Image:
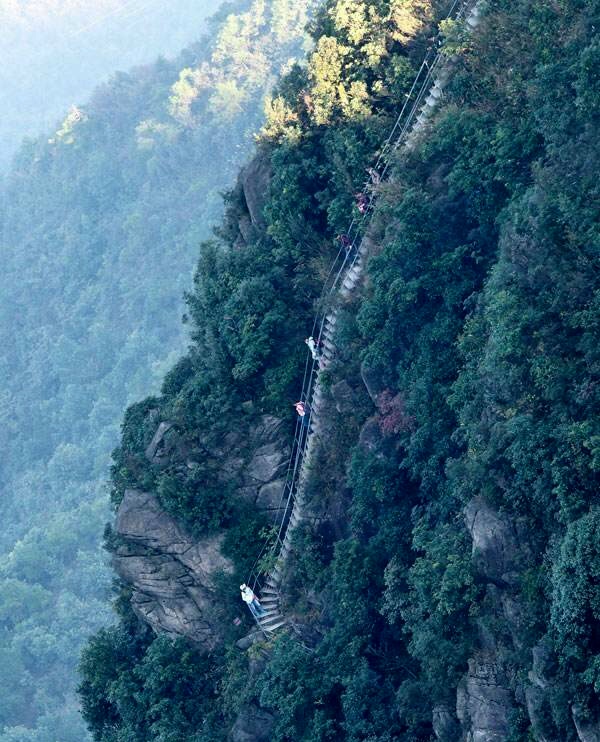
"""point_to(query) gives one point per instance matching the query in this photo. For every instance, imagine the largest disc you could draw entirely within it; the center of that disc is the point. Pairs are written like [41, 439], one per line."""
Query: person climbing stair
[252, 601]
[362, 203]
[344, 242]
[313, 346]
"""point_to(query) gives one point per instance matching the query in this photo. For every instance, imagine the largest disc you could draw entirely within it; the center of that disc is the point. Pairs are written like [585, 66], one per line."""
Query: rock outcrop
[172, 575]
[495, 544]
[485, 696]
[484, 701]
[445, 724]
[537, 695]
[253, 724]
[255, 179]
[588, 728]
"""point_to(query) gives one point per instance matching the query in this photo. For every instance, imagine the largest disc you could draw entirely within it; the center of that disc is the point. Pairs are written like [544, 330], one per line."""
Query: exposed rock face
[445, 724]
[255, 178]
[373, 382]
[485, 696]
[159, 448]
[253, 724]
[495, 545]
[171, 574]
[588, 729]
[260, 459]
[484, 701]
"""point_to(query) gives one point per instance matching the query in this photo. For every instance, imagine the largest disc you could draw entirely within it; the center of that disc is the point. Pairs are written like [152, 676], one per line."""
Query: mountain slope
[445, 586]
[100, 227]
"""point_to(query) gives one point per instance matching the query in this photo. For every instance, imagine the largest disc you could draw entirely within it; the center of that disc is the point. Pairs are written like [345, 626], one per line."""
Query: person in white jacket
[252, 601]
[313, 347]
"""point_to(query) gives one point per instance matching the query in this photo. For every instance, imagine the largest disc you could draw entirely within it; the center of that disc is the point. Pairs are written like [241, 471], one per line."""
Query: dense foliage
[56, 51]
[480, 319]
[99, 232]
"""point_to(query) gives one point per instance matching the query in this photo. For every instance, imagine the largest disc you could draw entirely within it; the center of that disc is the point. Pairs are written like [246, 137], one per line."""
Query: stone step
[274, 627]
[268, 621]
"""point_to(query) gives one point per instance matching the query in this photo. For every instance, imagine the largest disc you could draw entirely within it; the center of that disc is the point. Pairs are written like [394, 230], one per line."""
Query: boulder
[484, 702]
[255, 179]
[253, 724]
[250, 639]
[587, 725]
[445, 724]
[495, 546]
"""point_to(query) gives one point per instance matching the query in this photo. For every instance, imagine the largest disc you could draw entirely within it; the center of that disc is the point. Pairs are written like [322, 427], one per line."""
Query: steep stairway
[426, 95]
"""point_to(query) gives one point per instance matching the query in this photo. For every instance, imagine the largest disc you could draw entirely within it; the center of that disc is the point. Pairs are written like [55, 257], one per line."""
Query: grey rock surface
[484, 701]
[255, 178]
[252, 725]
[495, 546]
[445, 724]
[269, 498]
[163, 443]
[172, 575]
[588, 729]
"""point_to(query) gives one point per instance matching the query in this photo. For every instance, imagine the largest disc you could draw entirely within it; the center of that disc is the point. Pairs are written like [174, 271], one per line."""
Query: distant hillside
[55, 52]
[101, 220]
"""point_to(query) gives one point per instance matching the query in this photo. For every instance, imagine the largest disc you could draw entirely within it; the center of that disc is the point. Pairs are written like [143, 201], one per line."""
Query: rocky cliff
[172, 574]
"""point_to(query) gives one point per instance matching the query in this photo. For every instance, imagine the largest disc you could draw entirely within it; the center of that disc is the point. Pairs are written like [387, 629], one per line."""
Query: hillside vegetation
[479, 318]
[99, 233]
[55, 52]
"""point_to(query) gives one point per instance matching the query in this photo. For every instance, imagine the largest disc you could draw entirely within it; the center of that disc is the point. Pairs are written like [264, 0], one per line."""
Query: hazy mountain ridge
[101, 219]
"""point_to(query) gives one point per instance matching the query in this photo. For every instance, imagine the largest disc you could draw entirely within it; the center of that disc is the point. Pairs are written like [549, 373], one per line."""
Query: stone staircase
[273, 618]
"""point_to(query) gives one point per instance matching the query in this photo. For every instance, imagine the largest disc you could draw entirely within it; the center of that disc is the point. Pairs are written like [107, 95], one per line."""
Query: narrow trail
[344, 276]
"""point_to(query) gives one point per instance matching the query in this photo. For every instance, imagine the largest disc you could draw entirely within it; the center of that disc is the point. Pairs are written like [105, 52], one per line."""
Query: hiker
[375, 177]
[252, 601]
[345, 242]
[302, 410]
[313, 346]
[362, 203]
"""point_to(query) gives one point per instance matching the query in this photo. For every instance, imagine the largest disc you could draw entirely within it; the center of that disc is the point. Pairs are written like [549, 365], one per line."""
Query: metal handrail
[431, 63]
